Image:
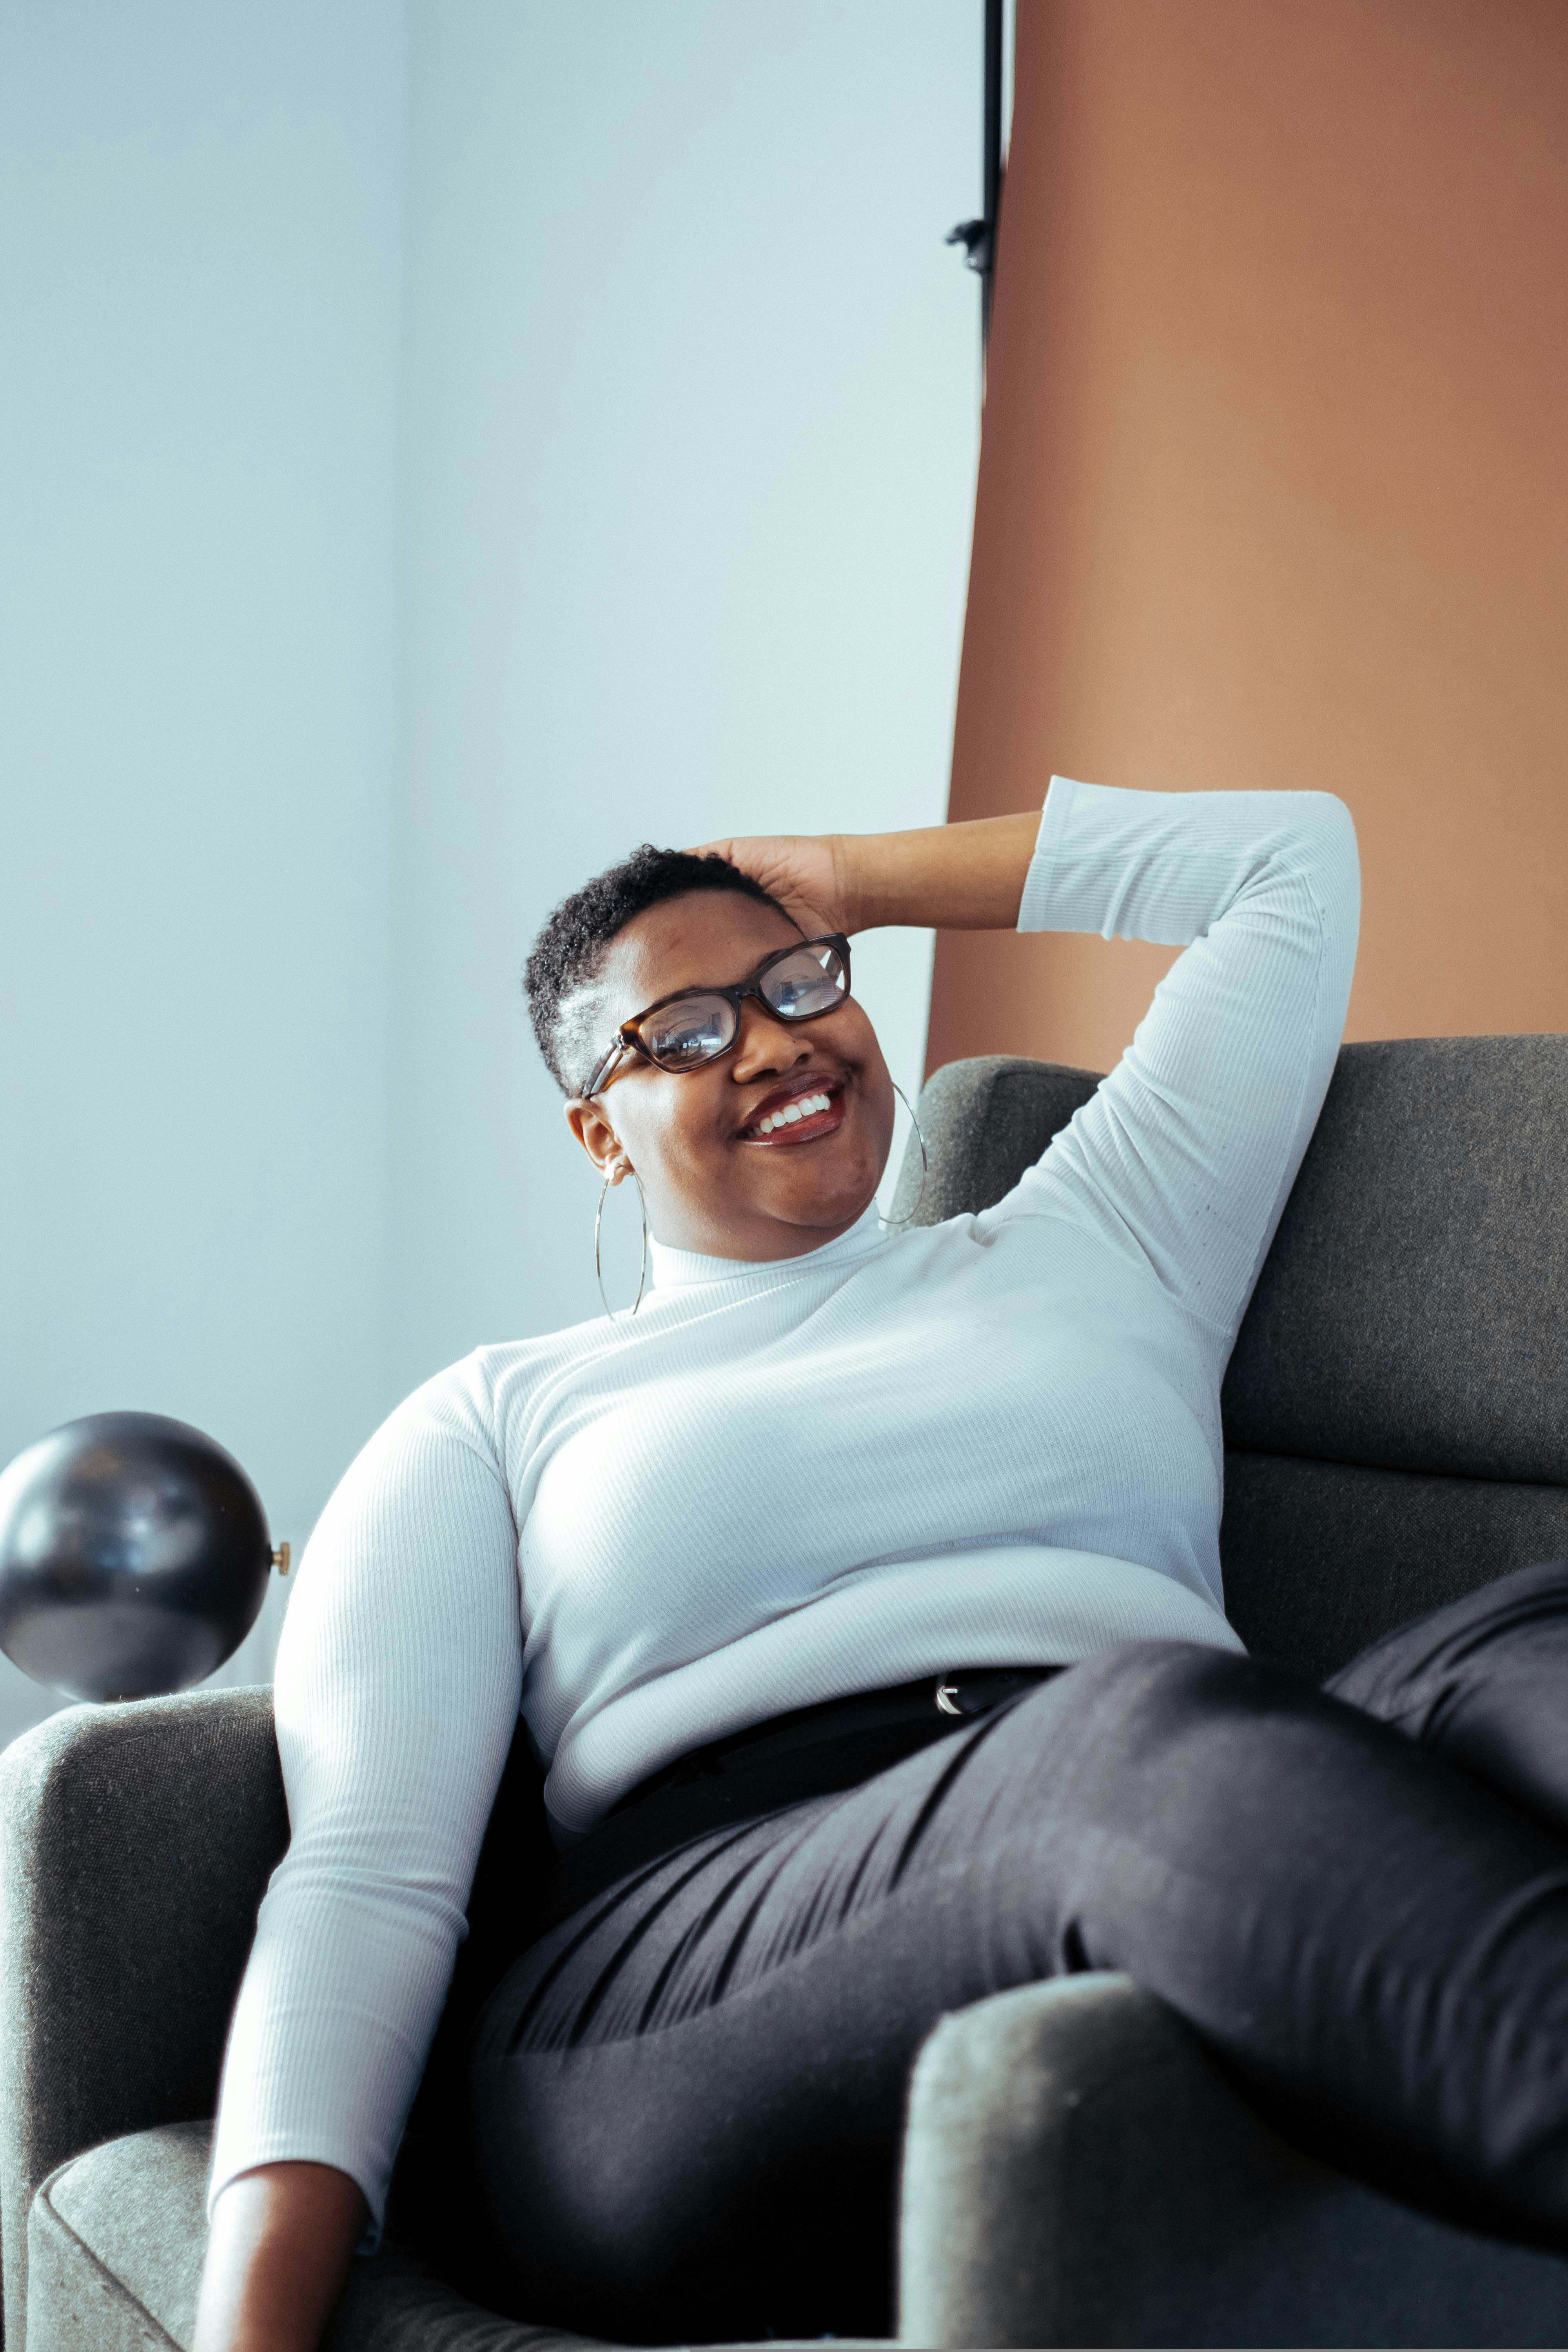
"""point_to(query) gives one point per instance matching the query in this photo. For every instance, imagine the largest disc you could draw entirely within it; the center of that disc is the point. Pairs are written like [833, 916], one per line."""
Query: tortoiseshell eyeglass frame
[628, 1040]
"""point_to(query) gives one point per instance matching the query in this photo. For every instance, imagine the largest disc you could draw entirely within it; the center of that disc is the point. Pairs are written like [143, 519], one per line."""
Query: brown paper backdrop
[1274, 479]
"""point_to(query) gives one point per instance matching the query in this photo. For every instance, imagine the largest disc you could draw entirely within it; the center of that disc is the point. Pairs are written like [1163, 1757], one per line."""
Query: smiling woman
[861, 1600]
[717, 1142]
[742, 949]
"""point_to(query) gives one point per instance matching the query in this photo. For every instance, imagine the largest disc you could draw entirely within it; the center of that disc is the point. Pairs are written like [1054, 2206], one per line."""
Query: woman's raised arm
[1186, 1153]
[957, 877]
[1190, 1147]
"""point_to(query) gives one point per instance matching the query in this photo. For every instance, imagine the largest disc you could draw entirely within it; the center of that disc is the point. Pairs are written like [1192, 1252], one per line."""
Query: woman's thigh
[689, 2098]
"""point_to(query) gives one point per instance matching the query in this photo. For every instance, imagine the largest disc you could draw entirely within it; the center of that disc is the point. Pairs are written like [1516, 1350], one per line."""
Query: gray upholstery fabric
[135, 1844]
[1078, 2172]
[115, 2241]
[984, 1121]
[1414, 1311]
[117, 2237]
[1322, 1557]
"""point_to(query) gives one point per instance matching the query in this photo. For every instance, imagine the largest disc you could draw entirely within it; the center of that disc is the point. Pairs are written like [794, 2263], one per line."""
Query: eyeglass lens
[810, 980]
[696, 1029]
[680, 1036]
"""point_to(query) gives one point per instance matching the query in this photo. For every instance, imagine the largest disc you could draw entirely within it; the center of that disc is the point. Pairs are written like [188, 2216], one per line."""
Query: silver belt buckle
[947, 1695]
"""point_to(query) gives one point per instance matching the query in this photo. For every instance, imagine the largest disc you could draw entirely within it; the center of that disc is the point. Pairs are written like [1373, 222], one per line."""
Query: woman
[861, 1592]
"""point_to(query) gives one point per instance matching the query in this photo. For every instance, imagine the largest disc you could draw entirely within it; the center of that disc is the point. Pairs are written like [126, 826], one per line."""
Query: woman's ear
[598, 1138]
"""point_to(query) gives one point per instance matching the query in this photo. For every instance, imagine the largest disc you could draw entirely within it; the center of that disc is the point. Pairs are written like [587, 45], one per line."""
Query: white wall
[689, 425]
[671, 419]
[200, 242]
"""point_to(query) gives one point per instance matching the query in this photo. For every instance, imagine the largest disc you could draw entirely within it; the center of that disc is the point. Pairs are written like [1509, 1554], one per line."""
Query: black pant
[687, 2097]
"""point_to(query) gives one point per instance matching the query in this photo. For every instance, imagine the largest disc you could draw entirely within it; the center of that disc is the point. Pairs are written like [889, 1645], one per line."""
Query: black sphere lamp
[134, 1556]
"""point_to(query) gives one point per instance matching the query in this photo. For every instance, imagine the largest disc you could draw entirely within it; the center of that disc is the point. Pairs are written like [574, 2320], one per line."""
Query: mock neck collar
[675, 1269]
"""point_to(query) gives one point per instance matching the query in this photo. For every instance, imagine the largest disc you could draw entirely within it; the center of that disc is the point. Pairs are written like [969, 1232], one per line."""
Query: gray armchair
[1076, 2169]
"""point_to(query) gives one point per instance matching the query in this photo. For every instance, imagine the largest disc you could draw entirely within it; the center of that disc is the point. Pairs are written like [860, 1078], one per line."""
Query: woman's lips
[815, 1110]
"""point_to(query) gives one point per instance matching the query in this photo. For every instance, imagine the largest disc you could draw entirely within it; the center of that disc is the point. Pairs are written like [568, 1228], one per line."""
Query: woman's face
[711, 1181]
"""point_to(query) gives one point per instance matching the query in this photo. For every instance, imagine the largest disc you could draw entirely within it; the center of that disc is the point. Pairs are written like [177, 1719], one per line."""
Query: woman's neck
[673, 1268]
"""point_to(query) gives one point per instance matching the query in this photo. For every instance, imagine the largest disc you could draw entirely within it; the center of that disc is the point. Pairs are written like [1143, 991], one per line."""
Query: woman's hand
[962, 878]
[803, 871]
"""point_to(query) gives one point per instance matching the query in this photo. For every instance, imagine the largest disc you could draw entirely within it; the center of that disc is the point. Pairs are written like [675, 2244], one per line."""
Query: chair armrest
[136, 1841]
[1078, 2171]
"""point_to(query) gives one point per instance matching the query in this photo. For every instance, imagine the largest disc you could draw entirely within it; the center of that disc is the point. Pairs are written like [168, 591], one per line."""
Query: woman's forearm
[282, 2240]
[962, 878]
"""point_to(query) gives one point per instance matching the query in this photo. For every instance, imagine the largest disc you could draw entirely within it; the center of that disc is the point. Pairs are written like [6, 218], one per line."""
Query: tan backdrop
[1274, 480]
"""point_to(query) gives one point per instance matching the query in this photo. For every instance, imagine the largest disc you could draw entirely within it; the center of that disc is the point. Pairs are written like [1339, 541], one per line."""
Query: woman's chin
[830, 1202]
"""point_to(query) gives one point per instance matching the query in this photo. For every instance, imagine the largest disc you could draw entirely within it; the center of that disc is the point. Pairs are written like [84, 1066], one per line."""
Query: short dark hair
[570, 951]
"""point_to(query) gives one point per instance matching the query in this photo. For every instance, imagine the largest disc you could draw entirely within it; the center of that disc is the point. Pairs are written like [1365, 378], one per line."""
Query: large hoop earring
[598, 1222]
[925, 1163]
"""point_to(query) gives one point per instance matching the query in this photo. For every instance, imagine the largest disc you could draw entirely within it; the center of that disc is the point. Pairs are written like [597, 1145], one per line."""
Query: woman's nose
[765, 1042]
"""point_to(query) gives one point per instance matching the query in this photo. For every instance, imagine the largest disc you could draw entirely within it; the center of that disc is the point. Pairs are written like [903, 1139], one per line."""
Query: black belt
[811, 1751]
[955, 1697]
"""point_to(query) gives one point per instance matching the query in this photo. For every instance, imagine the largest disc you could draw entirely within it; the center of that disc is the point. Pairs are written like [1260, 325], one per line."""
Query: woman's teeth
[802, 1107]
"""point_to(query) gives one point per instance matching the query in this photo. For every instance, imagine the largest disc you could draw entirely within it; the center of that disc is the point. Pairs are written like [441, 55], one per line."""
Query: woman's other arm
[281, 2242]
[396, 1699]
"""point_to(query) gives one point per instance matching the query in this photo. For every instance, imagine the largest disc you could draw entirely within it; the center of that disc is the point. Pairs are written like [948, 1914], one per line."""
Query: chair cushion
[984, 1121]
[1413, 1312]
[1322, 1558]
[116, 2240]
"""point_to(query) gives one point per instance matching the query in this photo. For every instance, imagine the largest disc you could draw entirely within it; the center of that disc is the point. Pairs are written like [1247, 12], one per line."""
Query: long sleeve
[1188, 1150]
[397, 1686]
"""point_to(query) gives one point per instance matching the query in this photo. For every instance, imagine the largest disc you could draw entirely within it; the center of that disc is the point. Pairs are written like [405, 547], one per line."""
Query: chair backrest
[1396, 1407]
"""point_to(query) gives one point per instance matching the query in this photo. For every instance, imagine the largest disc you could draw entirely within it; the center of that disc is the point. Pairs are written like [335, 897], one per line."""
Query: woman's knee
[1413, 1676]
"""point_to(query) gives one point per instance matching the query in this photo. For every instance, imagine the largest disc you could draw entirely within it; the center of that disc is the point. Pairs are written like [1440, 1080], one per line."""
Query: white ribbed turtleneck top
[993, 1441]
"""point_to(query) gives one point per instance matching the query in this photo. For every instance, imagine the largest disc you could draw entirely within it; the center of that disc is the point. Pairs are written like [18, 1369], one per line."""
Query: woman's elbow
[1323, 846]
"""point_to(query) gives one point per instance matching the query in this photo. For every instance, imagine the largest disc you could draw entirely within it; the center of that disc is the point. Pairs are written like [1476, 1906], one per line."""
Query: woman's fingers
[799, 870]
[967, 876]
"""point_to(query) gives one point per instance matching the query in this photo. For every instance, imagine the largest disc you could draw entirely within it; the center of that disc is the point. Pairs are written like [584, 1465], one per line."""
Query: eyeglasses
[696, 1026]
